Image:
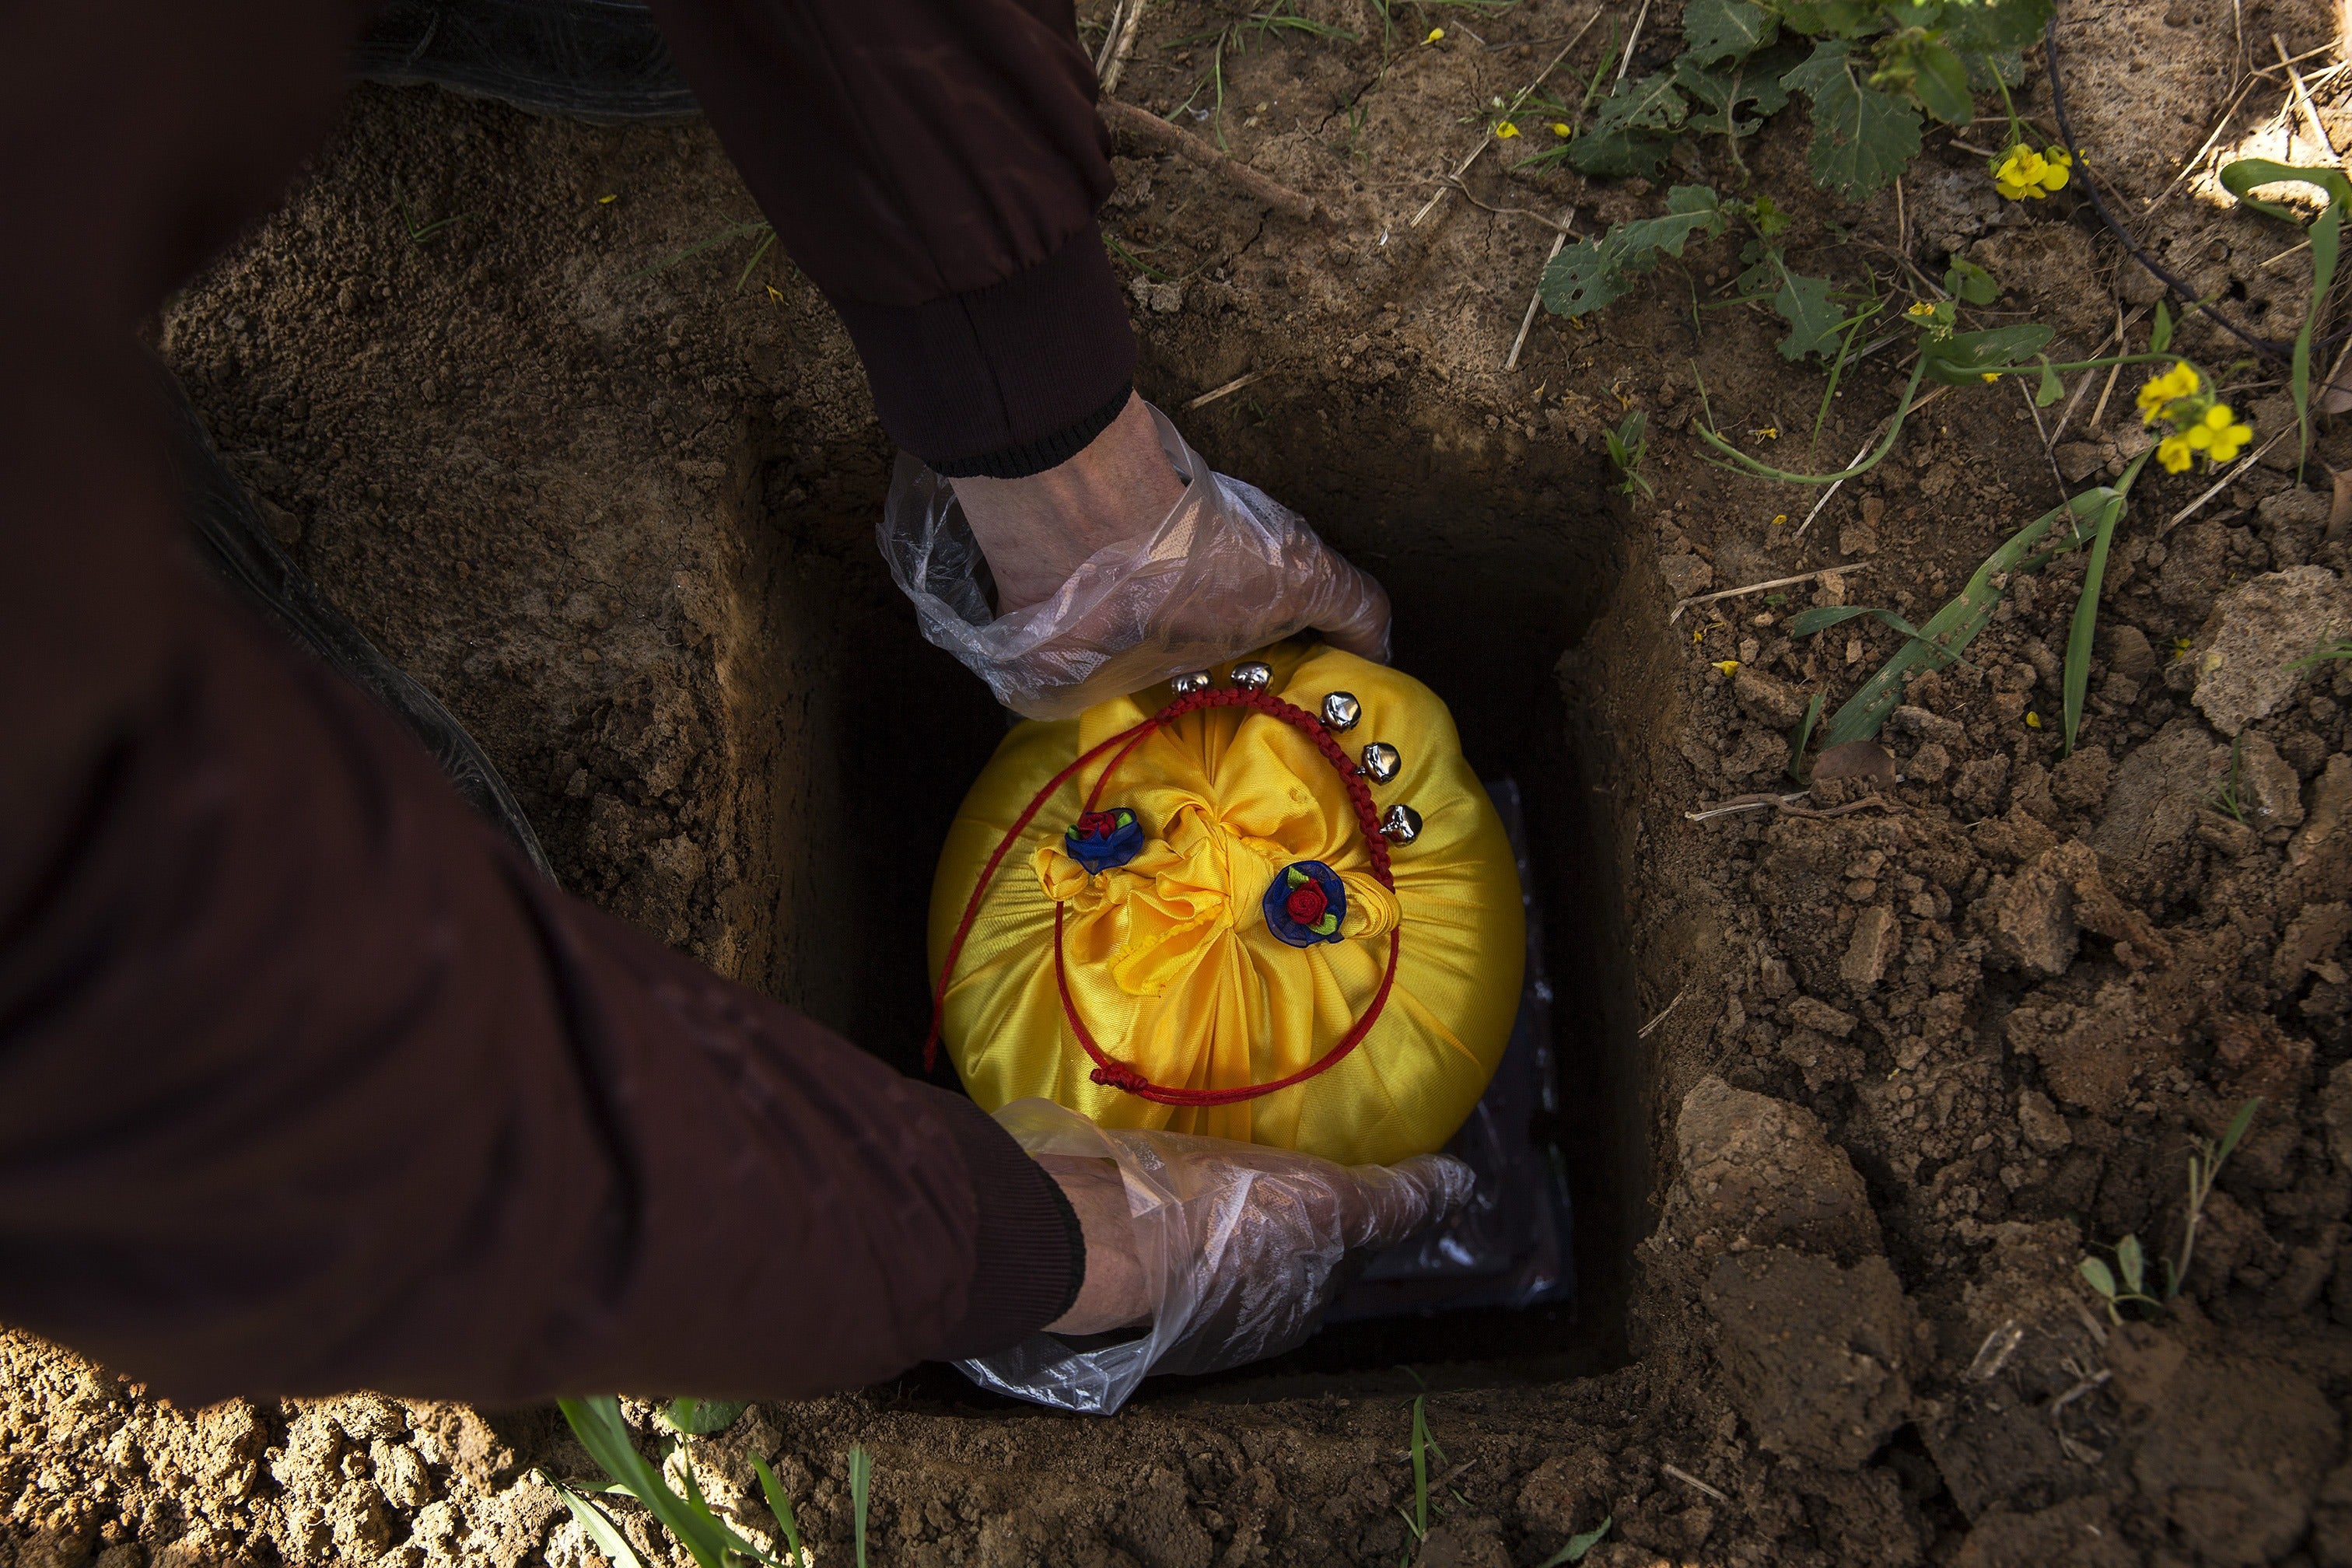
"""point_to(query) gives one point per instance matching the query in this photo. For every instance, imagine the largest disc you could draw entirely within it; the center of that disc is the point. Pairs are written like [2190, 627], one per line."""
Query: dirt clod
[1815, 1353]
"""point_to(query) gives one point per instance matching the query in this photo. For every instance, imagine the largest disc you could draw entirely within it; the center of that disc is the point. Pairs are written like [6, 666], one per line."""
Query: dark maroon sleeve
[306, 1082]
[935, 166]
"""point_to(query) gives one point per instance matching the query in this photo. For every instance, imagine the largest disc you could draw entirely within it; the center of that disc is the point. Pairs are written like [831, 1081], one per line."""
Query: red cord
[1118, 1074]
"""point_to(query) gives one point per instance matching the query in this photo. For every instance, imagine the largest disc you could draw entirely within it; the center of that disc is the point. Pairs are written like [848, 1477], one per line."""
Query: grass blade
[598, 1422]
[781, 1507]
[2087, 621]
[861, 1469]
[1805, 733]
[597, 1526]
[1578, 1545]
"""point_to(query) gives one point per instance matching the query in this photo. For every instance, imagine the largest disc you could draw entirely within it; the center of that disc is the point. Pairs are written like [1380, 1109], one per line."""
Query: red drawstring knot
[1117, 1074]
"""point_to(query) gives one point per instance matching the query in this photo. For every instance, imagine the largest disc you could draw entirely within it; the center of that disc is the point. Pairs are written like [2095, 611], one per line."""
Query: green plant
[1578, 1545]
[2339, 648]
[709, 1539]
[1628, 445]
[2241, 179]
[2204, 1168]
[1420, 1446]
[417, 232]
[1592, 273]
[2226, 797]
[1874, 72]
[1951, 629]
[700, 1417]
[765, 229]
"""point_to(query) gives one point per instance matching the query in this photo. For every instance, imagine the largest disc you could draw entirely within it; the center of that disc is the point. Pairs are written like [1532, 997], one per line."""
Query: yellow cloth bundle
[1236, 930]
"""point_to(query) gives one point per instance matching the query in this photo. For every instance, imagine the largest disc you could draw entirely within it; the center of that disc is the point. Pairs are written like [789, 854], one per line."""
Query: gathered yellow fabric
[1170, 957]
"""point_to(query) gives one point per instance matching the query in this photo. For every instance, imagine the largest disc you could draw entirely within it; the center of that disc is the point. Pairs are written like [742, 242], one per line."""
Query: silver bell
[1401, 824]
[1341, 711]
[1191, 682]
[1380, 762]
[1253, 676]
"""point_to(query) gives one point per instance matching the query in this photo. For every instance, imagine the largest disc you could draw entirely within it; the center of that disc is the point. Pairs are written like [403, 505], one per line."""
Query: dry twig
[1681, 605]
[1121, 116]
[1214, 393]
[1691, 1480]
[1528, 322]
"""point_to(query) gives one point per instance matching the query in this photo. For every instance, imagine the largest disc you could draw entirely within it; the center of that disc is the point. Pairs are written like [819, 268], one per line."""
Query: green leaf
[1942, 84]
[2133, 1263]
[1987, 27]
[2241, 179]
[1831, 18]
[1650, 104]
[2102, 1277]
[598, 1527]
[1862, 138]
[781, 1507]
[1578, 1545]
[1592, 273]
[1805, 735]
[700, 1417]
[2077, 677]
[599, 1425]
[1822, 617]
[1971, 284]
[1724, 29]
[2159, 336]
[1718, 93]
[861, 1473]
[1965, 356]
[1994, 69]
[1813, 322]
[1620, 154]
[2049, 389]
[2237, 1125]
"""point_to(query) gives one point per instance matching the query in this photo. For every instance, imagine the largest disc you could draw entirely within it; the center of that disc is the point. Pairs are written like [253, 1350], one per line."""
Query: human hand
[1129, 563]
[1236, 1250]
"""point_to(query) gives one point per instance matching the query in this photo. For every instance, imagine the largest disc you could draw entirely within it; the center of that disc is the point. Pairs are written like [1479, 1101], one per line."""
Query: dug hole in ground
[1851, 1084]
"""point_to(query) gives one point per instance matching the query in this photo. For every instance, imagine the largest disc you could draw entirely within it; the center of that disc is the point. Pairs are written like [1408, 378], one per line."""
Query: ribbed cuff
[1005, 381]
[1032, 1253]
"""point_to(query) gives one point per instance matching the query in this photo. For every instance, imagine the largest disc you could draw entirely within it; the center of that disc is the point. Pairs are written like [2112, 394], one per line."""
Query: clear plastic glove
[1242, 1249]
[1227, 569]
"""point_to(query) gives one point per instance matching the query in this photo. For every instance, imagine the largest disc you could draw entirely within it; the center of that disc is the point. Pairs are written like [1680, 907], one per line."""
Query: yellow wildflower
[2022, 172]
[1505, 131]
[2033, 720]
[2174, 453]
[1726, 665]
[2227, 435]
[1559, 128]
[1436, 35]
[1921, 310]
[608, 200]
[1780, 520]
[1989, 376]
[2179, 381]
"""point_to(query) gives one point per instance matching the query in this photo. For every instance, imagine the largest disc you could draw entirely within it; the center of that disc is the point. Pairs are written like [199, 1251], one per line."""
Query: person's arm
[306, 1083]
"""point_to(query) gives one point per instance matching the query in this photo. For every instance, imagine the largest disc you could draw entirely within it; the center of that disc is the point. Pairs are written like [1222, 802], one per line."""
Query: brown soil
[1905, 1065]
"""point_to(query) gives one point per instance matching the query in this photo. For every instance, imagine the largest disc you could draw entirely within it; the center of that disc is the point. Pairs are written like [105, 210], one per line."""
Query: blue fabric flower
[1099, 840]
[1306, 903]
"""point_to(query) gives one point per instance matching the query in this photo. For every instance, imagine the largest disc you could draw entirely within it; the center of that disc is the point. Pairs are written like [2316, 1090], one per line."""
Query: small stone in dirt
[1913, 719]
[1814, 1013]
[2331, 804]
[1759, 1170]
[2080, 782]
[1860, 535]
[2268, 790]
[1978, 791]
[1159, 299]
[2127, 651]
[1474, 1542]
[2159, 789]
[1866, 760]
[1930, 763]
[1877, 937]
[2247, 652]
[2078, 460]
[1685, 574]
[1767, 700]
[1815, 1353]
[2031, 917]
[2311, 936]
[2040, 1121]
